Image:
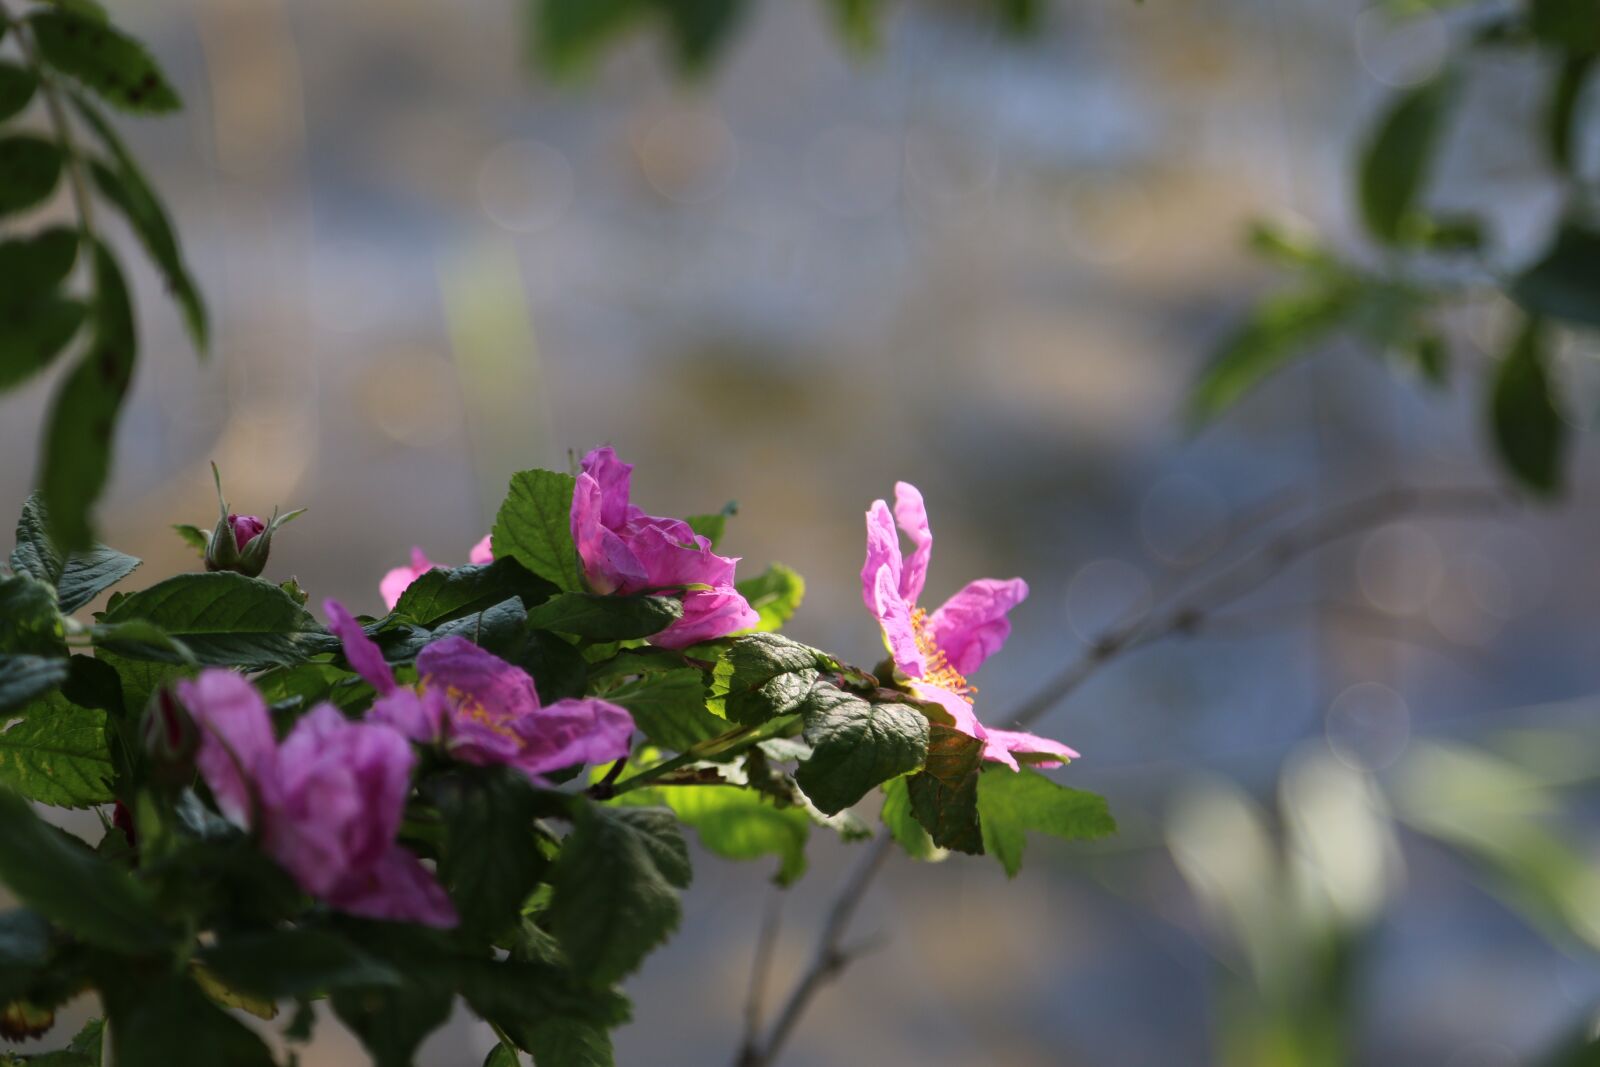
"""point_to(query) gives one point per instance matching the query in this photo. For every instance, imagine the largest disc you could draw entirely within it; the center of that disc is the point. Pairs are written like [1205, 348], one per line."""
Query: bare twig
[760, 972]
[1184, 613]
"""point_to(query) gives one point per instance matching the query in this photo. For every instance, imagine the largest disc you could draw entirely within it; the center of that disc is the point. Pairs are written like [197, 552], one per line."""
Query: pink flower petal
[708, 615]
[1002, 743]
[608, 563]
[397, 888]
[960, 709]
[237, 751]
[482, 552]
[398, 580]
[569, 732]
[912, 517]
[363, 653]
[613, 477]
[972, 625]
[883, 552]
[894, 619]
[473, 676]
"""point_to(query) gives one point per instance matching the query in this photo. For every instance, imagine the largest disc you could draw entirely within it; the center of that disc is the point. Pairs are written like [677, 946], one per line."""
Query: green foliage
[614, 888]
[1528, 431]
[776, 595]
[301, 962]
[491, 861]
[737, 824]
[1010, 803]
[223, 618]
[30, 167]
[22, 678]
[17, 85]
[944, 795]
[104, 59]
[78, 577]
[606, 618]
[668, 706]
[902, 824]
[569, 34]
[534, 527]
[159, 1020]
[1565, 282]
[1278, 330]
[856, 746]
[447, 593]
[57, 753]
[763, 676]
[1396, 162]
[30, 625]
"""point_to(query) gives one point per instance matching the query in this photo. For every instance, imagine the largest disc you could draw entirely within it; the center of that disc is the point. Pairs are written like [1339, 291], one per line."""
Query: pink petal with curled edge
[570, 732]
[398, 580]
[972, 625]
[960, 709]
[397, 888]
[482, 552]
[238, 751]
[883, 551]
[708, 615]
[608, 563]
[613, 477]
[912, 517]
[366, 659]
[894, 619]
[1000, 745]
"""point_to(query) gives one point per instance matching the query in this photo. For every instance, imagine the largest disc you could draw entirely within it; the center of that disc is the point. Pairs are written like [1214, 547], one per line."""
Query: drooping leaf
[1565, 282]
[34, 265]
[856, 746]
[83, 418]
[1529, 434]
[60, 878]
[160, 1020]
[1010, 803]
[490, 862]
[1397, 159]
[16, 89]
[24, 678]
[30, 166]
[294, 963]
[393, 1023]
[613, 883]
[502, 1056]
[944, 795]
[669, 706]
[225, 619]
[103, 58]
[534, 527]
[57, 753]
[762, 676]
[776, 595]
[1281, 328]
[606, 618]
[33, 332]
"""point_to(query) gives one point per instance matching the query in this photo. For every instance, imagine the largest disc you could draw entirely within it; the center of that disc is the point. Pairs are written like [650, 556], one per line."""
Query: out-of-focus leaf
[568, 34]
[103, 58]
[776, 595]
[30, 266]
[1397, 159]
[1529, 434]
[1565, 282]
[30, 166]
[858, 22]
[168, 1021]
[1566, 92]
[1571, 25]
[1281, 328]
[23, 678]
[30, 624]
[701, 29]
[16, 89]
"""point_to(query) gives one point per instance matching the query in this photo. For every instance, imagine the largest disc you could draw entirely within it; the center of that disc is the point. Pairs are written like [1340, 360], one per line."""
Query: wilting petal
[672, 555]
[608, 563]
[366, 659]
[972, 625]
[894, 618]
[883, 551]
[470, 676]
[708, 615]
[612, 477]
[396, 581]
[960, 709]
[912, 517]
[398, 888]
[1000, 745]
[570, 732]
[237, 748]
[482, 552]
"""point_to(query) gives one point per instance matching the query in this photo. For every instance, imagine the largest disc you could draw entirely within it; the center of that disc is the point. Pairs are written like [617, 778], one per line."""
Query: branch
[1185, 613]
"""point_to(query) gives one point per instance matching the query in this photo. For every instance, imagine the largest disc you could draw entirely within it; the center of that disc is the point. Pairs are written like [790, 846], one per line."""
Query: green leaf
[570, 1043]
[275, 964]
[613, 889]
[57, 753]
[1395, 164]
[392, 1023]
[775, 594]
[502, 1056]
[501, 628]
[1569, 25]
[141, 678]
[446, 593]
[490, 861]
[944, 796]
[762, 676]
[534, 527]
[60, 878]
[30, 166]
[225, 619]
[1280, 328]
[1565, 282]
[22, 678]
[89, 1040]
[559, 670]
[669, 707]
[856, 746]
[16, 89]
[606, 618]
[858, 22]
[737, 823]
[1528, 431]
[1013, 802]
[1563, 110]
[159, 1021]
[81, 576]
[33, 266]
[103, 58]
[193, 536]
[83, 419]
[700, 29]
[567, 34]
[903, 825]
[33, 332]
[30, 624]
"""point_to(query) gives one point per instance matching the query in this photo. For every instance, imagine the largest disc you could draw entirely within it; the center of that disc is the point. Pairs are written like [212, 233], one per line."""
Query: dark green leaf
[16, 89]
[30, 625]
[446, 593]
[1562, 112]
[57, 753]
[776, 596]
[700, 29]
[534, 527]
[570, 1043]
[902, 824]
[1570, 25]
[33, 266]
[392, 1023]
[1397, 160]
[1528, 431]
[502, 1056]
[79, 578]
[60, 878]
[162, 1020]
[567, 34]
[559, 670]
[83, 419]
[141, 678]
[762, 676]
[490, 861]
[606, 618]
[224, 618]
[1279, 329]
[500, 628]
[1013, 802]
[30, 166]
[1565, 283]
[193, 536]
[294, 963]
[944, 796]
[22, 678]
[613, 897]
[104, 59]
[24, 950]
[89, 1040]
[669, 707]
[856, 746]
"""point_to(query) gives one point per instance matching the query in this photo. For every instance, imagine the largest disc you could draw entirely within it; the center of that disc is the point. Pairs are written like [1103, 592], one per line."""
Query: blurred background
[991, 268]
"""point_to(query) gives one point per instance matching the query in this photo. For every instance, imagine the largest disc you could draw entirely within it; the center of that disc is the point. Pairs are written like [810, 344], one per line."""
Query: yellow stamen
[936, 665]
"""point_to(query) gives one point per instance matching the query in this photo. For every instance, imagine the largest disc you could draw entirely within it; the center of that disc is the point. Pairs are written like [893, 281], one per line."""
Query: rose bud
[169, 736]
[241, 543]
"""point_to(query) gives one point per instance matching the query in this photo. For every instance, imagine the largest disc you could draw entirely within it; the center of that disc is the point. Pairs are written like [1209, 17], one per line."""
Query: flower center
[936, 665]
[472, 709]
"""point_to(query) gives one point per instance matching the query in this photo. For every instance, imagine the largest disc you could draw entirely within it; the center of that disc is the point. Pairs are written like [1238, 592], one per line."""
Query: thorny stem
[1183, 614]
